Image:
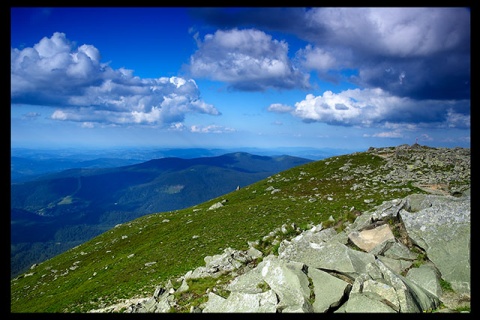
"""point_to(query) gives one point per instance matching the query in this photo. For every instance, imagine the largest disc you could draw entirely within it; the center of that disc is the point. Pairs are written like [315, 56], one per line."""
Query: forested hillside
[61, 210]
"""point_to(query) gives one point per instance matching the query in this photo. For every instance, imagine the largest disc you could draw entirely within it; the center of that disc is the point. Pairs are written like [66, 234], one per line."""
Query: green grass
[463, 309]
[115, 265]
[445, 285]
[195, 295]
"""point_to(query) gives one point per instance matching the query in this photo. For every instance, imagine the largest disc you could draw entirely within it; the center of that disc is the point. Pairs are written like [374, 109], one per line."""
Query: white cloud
[279, 108]
[246, 59]
[88, 125]
[53, 47]
[457, 120]
[316, 58]
[54, 73]
[210, 129]
[59, 115]
[388, 134]
[351, 107]
[375, 107]
[178, 126]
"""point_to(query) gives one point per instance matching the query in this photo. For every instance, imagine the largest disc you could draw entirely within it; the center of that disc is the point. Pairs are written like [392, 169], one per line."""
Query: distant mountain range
[27, 164]
[57, 211]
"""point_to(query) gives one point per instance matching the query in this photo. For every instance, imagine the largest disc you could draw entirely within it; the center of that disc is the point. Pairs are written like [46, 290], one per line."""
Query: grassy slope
[103, 270]
[87, 202]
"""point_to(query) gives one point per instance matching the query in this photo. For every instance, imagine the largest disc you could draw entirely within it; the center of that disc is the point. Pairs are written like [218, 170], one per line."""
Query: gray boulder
[365, 268]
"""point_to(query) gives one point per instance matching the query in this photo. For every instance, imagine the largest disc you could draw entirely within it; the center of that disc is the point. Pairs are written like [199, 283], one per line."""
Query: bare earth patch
[440, 189]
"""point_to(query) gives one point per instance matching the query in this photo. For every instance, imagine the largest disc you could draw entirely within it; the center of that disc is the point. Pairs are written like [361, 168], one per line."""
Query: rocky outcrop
[396, 258]
[436, 170]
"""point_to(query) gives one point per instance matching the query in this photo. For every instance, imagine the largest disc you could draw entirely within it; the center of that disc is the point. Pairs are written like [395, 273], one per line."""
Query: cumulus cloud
[399, 131]
[279, 108]
[396, 49]
[211, 129]
[400, 32]
[177, 126]
[399, 50]
[376, 107]
[319, 59]
[457, 120]
[247, 60]
[55, 73]
[388, 134]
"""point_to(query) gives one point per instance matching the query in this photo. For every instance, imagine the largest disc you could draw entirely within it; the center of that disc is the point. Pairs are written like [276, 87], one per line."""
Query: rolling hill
[60, 210]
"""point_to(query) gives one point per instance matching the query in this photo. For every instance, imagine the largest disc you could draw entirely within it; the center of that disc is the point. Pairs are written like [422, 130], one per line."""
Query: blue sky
[346, 78]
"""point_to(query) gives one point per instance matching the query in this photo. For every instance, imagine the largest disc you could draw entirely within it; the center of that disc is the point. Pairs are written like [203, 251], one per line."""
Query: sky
[209, 77]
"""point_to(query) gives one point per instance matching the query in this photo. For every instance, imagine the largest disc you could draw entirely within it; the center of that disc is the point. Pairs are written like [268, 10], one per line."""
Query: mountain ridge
[73, 205]
[26, 164]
